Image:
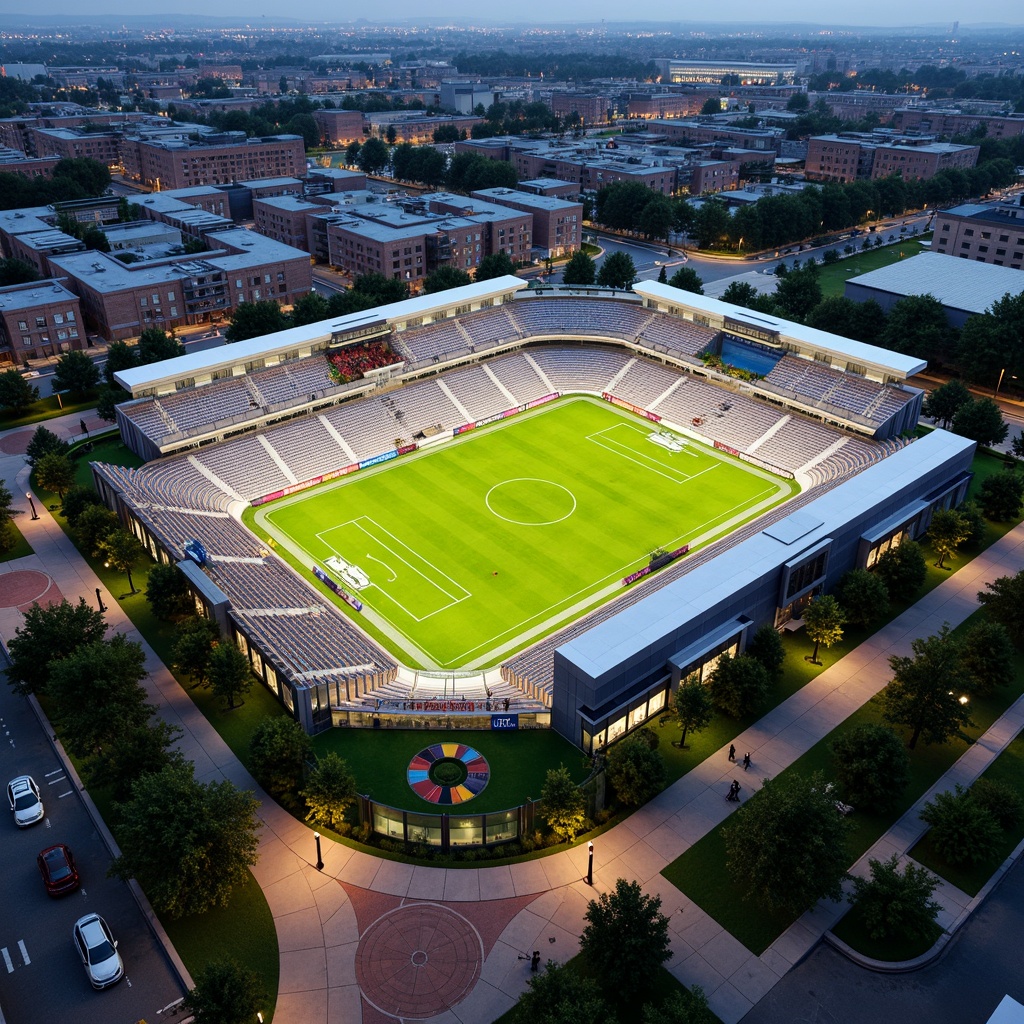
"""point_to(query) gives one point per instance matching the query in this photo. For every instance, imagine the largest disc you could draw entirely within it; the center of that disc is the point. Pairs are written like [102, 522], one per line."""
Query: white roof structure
[806, 340]
[958, 284]
[143, 379]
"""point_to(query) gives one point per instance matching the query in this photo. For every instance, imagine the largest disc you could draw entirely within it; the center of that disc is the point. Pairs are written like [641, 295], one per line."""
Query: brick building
[557, 224]
[339, 127]
[38, 319]
[948, 123]
[985, 234]
[215, 159]
[71, 143]
[697, 133]
[286, 219]
[591, 107]
[854, 156]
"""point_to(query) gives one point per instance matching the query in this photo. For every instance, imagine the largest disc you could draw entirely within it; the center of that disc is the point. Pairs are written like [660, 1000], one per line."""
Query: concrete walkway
[369, 939]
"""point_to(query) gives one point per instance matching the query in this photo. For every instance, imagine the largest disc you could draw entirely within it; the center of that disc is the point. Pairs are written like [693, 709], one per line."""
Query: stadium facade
[242, 425]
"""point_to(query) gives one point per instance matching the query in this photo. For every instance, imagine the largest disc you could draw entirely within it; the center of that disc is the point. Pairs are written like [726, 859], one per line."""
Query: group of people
[734, 792]
[732, 756]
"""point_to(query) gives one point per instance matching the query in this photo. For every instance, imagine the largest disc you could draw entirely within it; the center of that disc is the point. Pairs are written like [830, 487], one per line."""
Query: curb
[943, 941]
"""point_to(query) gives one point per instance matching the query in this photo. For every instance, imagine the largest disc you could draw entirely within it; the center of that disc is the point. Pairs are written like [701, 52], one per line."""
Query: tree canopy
[254, 319]
[564, 806]
[738, 686]
[579, 270]
[617, 271]
[636, 770]
[75, 371]
[823, 620]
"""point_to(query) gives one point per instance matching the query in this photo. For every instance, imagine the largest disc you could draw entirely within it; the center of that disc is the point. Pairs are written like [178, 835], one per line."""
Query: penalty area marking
[644, 460]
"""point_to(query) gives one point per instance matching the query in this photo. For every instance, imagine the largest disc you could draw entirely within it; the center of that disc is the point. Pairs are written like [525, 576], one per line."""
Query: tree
[740, 293]
[692, 707]
[617, 271]
[498, 264]
[686, 1007]
[123, 552]
[1001, 800]
[824, 621]
[444, 278]
[687, 279]
[93, 526]
[872, 766]
[863, 596]
[43, 443]
[963, 831]
[309, 309]
[352, 152]
[987, 658]
[167, 592]
[948, 530]
[766, 647]
[626, 938]
[981, 421]
[798, 292]
[786, 849]
[894, 904]
[992, 343]
[188, 844]
[943, 403]
[96, 694]
[8, 534]
[120, 356]
[226, 992]
[562, 995]
[16, 271]
[156, 345]
[925, 691]
[45, 636]
[711, 106]
[904, 570]
[917, 325]
[193, 647]
[330, 791]
[373, 157]
[76, 500]
[55, 473]
[278, 752]
[255, 319]
[580, 270]
[1001, 496]
[16, 393]
[975, 523]
[1004, 603]
[636, 770]
[738, 686]
[230, 675]
[132, 752]
[711, 224]
[563, 804]
[75, 371]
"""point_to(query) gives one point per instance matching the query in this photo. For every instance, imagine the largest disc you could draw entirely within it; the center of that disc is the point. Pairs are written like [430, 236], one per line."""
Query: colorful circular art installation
[448, 773]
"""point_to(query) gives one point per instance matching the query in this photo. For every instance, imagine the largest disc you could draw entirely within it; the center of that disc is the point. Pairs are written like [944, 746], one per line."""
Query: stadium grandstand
[240, 426]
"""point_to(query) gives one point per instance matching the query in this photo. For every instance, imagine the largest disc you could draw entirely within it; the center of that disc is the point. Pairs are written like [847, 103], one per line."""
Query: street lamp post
[99, 600]
[999, 383]
[32, 505]
[590, 864]
[319, 858]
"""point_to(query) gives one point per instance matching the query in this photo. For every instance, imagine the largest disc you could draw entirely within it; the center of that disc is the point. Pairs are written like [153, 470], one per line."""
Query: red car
[57, 866]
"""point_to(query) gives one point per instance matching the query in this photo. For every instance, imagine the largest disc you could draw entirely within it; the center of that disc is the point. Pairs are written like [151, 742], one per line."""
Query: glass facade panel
[502, 827]
[423, 828]
[466, 831]
[388, 822]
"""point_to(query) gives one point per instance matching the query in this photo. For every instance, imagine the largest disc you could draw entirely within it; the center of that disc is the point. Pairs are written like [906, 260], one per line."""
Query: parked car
[26, 804]
[57, 866]
[98, 950]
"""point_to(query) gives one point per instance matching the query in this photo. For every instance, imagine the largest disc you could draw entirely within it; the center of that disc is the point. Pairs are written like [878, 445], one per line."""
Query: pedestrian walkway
[460, 939]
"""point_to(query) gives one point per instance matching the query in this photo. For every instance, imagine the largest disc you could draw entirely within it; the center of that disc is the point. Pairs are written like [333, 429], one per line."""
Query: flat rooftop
[35, 293]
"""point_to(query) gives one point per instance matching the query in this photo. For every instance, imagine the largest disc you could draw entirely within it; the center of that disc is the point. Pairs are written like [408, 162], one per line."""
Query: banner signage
[725, 448]
[504, 723]
[376, 460]
[623, 404]
[440, 706]
[671, 556]
[330, 584]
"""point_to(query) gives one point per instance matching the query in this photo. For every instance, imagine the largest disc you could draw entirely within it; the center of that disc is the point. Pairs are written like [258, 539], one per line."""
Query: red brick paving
[23, 588]
[16, 443]
[418, 960]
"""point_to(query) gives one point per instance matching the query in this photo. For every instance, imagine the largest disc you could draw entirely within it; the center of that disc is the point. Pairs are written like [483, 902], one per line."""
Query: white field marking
[394, 575]
[453, 598]
[24, 952]
[646, 461]
[7, 960]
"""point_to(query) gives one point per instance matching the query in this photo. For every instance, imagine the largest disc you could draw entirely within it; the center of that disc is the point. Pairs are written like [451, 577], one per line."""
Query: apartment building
[592, 108]
[983, 233]
[854, 156]
[557, 224]
[339, 127]
[39, 319]
[948, 123]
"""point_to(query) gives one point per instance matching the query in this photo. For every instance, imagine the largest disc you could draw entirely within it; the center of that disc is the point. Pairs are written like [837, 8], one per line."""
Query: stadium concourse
[263, 418]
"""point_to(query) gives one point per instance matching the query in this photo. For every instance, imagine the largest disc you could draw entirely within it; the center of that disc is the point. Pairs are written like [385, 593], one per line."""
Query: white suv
[26, 805]
[98, 951]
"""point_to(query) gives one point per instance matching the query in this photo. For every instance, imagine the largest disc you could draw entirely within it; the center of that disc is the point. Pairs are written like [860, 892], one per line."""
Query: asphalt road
[41, 976]
[982, 964]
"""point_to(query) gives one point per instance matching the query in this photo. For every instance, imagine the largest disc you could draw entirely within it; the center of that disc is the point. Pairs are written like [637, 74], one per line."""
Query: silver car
[98, 950]
[26, 805]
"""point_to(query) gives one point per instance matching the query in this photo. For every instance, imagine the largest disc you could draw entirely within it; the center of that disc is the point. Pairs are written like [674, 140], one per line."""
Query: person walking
[732, 751]
[746, 760]
[734, 792]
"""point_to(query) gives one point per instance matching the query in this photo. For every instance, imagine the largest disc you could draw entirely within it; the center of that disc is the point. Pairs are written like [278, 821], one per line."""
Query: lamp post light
[32, 504]
[999, 382]
[319, 857]
[99, 600]
[590, 864]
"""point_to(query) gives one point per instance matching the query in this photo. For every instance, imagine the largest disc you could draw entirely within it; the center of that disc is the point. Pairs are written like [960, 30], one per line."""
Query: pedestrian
[732, 751]
[734, 791]
[746, 760]
[535, 961]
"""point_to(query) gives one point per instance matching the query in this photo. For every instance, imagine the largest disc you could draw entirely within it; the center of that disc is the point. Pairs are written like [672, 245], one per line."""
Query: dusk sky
[746, 12]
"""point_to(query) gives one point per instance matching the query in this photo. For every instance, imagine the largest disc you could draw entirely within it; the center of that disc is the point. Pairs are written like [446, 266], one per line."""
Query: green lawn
[517, 528]
[833, 278]
[701, 872]
[518, 762]
[47, 409]
[19, 546]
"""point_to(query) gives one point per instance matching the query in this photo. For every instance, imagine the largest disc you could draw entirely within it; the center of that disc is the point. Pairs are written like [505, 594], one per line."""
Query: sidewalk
[465, 929]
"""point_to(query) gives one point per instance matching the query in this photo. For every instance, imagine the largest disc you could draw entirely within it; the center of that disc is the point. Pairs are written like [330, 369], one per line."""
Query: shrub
[872, 766]
[963, 831]
[1003, 802]
[894, 904]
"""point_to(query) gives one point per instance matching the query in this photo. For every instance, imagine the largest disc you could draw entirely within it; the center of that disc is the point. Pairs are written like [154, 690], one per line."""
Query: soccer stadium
[522, 507]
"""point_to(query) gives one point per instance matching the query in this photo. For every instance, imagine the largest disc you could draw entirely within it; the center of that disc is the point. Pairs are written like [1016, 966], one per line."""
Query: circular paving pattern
[16, 443]
[24, 587]
[528, 501]
[448, 773]
[418, 961]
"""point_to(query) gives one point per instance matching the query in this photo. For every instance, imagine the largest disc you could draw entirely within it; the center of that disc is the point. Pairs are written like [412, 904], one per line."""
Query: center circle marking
[544, 502]
[419, 958]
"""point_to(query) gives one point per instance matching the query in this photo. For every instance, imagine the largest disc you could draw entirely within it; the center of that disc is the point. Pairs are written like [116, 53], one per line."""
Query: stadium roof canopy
[957, 283]
[805, 341]
[143, 379]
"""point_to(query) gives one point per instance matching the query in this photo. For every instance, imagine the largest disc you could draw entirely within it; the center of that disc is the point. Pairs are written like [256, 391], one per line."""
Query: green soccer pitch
[465, 552]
